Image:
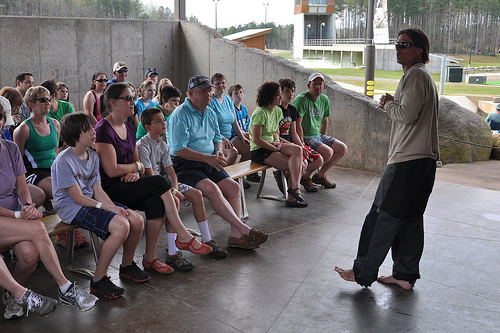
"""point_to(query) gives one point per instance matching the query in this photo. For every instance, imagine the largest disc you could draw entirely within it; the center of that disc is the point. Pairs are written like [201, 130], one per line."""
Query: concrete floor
[288, 285]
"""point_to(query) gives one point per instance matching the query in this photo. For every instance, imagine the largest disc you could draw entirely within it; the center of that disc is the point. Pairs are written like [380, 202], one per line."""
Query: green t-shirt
[64, 108]
[312, 112]
[269, 120]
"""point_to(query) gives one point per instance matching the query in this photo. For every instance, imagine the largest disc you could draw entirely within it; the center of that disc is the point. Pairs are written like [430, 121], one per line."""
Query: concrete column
[180, 9]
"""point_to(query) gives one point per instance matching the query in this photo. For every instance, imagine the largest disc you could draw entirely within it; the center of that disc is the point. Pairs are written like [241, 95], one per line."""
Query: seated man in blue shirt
[493, 119]
[196, 143]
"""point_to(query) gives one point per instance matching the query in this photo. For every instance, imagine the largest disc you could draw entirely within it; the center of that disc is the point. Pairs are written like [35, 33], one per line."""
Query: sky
[235, 12]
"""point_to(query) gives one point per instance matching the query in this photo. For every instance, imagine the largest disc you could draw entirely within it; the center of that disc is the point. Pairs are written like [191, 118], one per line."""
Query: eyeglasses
[128, 98]
[121, 71]
[42, 99]
[403, 45]
[101, 80]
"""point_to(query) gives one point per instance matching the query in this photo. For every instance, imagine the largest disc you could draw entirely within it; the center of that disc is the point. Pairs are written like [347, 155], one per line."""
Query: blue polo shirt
[189, 128]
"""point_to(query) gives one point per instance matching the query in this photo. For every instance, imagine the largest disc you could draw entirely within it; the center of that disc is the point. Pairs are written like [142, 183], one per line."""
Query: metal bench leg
[244, 209]
[270, 197]
[69, 255]
[70, 249]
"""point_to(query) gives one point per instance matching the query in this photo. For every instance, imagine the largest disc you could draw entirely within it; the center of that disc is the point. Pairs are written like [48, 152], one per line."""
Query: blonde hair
[33, 93]
[162, 84]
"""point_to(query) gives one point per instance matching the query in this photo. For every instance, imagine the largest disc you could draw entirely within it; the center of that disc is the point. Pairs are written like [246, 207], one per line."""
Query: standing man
[195, 142]
[151, 74]
[312, 127]
[120, 71]
[24, 81]
[397, 214]
[493, 119]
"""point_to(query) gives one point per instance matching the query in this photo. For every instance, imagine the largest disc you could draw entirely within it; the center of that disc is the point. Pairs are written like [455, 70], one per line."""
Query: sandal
[297, 196]
[323, 181]
[156, 265]
[203, 250]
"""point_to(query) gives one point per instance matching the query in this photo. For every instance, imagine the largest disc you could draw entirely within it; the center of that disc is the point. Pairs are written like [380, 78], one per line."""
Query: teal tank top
[40, 150]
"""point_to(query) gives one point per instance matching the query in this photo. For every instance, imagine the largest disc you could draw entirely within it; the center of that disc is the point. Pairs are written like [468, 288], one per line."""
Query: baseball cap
[314, 76]
[150, 71]
[199, 81]
[119, 65]
[498, 107]
[6, 106]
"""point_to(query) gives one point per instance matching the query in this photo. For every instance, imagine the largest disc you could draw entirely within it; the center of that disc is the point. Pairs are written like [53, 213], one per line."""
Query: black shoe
[246, 185]
[133, 272]
[178, 262]
[279, 181]
[296, 204]
[217, 251]
[254, 177]
[105, 288]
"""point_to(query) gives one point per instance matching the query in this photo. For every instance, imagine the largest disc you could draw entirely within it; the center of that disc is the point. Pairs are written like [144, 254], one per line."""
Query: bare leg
[243, 149]
[223, 207]
[311, 167]
[231, 155]
[346, 274]
[331, 155]
[153, 229]
[195, 197]
[391, 280]
[8, 282]
[136, 226]
[14, 231]
[27, 258]
[37, 195]
[46, 186]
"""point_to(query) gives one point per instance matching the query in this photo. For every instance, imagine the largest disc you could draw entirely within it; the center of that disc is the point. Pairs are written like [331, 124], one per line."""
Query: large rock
[495, 153]
[458, 123]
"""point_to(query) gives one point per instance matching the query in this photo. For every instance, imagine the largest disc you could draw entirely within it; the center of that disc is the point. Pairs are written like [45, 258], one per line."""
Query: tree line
[453, 26]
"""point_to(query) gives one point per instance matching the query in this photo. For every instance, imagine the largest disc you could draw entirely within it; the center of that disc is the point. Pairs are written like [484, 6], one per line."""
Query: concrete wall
[71, 50]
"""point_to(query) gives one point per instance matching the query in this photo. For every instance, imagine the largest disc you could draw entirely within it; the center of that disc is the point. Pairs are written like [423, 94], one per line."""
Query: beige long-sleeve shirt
[414, 115]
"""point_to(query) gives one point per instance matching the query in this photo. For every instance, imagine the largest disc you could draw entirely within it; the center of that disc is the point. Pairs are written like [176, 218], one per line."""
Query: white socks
[64, 288]
[172, 249]
[205, 233]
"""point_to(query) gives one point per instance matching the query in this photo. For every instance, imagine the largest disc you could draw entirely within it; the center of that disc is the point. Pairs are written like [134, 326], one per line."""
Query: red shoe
[203, 250]
[80, 241]
[158, 266]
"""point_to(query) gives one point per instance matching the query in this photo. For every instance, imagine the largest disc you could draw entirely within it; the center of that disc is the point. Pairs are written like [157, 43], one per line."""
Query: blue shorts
[315, 142]
[192, 172]
[95, 220]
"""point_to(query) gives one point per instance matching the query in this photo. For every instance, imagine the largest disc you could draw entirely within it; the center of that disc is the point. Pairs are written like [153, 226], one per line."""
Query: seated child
[81, 201]
[242, 144]
[153, 152]
[288, 131]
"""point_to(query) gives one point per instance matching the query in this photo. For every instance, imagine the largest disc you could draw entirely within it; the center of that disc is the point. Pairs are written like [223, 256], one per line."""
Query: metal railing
[331, 42]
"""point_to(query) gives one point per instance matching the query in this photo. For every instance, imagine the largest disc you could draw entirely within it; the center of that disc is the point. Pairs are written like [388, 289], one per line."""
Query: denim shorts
[95, 220]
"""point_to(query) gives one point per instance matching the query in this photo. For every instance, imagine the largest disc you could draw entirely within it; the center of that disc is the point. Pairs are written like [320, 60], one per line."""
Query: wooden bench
[239, 170]
[55, 226]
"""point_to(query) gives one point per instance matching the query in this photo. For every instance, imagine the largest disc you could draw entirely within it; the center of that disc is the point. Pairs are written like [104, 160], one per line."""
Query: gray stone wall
[71, 50]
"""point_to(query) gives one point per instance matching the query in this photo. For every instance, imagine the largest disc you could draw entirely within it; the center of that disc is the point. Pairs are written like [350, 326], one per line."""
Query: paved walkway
[288, 285]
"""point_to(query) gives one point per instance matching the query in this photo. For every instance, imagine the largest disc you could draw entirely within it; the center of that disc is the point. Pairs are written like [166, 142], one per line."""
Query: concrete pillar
[180, 9]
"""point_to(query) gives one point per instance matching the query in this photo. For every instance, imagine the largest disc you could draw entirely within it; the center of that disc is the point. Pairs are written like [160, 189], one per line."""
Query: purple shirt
[124, 148]
[11, 166]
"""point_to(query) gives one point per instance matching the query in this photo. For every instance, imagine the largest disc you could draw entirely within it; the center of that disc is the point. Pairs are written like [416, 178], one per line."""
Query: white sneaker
[79, 299]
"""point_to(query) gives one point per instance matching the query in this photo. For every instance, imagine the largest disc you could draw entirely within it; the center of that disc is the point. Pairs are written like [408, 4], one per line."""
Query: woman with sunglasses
[38, 139]
[121, 172]
[91, 101]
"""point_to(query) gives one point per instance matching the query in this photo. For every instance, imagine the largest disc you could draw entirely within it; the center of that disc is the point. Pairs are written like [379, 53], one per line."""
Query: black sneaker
[217, 251]
[133, 272]
[105, 288]
[254, 177]
[41, 305]
[279, 181]
[77, 298]
[178, 262]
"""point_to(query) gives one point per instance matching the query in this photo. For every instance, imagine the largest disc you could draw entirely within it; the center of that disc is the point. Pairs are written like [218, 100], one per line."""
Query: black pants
[396, 221]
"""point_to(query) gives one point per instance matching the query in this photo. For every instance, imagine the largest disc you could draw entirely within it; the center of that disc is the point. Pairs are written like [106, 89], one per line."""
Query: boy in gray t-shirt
[81, 201]
[154, 152]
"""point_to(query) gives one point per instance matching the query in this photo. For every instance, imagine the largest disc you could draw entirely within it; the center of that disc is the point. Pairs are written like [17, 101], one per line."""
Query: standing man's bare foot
[346, 274]
[391, 280]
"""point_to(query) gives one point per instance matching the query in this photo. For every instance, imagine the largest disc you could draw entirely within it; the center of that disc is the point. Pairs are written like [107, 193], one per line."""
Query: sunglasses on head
[101, 80]
[403, 45]
[128, 98]
[42, 99]
[121, 71]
